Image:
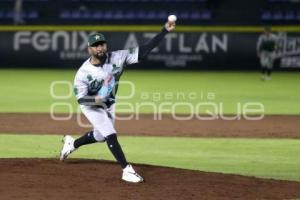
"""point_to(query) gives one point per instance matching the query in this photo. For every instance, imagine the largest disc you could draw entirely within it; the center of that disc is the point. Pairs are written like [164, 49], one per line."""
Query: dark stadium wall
[210, 34]
[189, 48]
[233, 12]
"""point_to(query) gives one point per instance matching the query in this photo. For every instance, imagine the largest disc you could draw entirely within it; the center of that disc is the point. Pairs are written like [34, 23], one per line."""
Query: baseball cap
[95, 38]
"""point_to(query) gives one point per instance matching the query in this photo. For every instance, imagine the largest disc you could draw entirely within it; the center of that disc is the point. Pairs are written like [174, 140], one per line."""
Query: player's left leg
[269, 72]
[269, 65]
[114, 146]
[129, 173]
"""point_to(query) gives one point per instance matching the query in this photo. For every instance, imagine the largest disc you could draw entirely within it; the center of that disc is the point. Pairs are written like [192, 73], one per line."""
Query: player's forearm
[145, 49]
[91, 101]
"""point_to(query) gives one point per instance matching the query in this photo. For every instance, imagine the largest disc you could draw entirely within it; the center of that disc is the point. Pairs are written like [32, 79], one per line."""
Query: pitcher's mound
[74, 179]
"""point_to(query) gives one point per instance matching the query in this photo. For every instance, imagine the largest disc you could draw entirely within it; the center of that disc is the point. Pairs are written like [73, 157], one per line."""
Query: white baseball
[172, 18]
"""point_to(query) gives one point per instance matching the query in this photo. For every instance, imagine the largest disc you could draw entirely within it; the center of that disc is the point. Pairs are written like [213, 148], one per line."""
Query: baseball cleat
[68, 147]
[130, 175]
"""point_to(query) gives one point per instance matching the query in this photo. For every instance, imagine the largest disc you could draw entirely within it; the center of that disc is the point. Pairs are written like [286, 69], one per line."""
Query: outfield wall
[189, 47]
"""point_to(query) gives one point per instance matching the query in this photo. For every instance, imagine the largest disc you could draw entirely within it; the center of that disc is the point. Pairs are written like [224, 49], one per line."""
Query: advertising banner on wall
[178, 50]
[288, 50]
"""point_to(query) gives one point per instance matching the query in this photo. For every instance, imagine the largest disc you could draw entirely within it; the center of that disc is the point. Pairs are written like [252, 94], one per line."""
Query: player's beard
[101, 56]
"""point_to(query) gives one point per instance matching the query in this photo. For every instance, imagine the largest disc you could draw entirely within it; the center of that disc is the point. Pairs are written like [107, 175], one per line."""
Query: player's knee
[98, 136]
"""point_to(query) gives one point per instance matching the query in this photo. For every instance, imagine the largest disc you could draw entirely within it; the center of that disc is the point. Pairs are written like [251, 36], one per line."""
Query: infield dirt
[276, 126]
[49, 179]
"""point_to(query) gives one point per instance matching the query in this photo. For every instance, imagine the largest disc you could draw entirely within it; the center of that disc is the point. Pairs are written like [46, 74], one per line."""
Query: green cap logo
[95, 38]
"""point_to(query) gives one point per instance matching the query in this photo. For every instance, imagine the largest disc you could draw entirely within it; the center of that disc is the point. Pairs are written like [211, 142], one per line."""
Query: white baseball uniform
[89, 79]
[266, 47]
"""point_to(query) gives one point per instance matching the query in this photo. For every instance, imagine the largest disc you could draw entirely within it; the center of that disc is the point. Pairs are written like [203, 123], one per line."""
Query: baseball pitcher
[95, 89]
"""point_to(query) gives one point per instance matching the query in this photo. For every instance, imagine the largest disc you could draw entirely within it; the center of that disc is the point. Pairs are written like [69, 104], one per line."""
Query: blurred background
[208, 66]
[43, 41]
[193, 12]
[210, 35]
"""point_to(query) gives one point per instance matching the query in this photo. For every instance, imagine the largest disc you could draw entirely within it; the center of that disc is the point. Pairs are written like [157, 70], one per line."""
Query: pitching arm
[145, 49]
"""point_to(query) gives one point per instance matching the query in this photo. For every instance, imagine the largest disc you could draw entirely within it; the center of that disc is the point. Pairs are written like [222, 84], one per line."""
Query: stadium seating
[132, 15]
[281, 11]
[106, 11]
[190, 12]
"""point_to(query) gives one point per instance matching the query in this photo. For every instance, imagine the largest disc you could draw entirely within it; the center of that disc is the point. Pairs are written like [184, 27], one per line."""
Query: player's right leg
[70, 144]
[263, 73]
[270, 65]
[68, 147]
[263, 62]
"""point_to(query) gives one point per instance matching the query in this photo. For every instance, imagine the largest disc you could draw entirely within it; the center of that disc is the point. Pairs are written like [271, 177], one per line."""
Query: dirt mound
[49, 179]
[33, 179]
[268, 127]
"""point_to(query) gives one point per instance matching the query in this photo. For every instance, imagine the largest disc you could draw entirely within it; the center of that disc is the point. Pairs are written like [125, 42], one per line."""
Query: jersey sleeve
[129, 56]
[80, 87]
